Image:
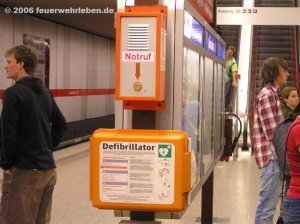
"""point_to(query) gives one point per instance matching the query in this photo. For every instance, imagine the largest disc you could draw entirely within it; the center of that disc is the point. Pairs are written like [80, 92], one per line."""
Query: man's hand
[234, 84]
[234, 80]
[7, 171]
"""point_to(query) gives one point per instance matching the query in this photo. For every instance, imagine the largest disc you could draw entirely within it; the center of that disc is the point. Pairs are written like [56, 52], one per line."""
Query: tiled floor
[236, 185]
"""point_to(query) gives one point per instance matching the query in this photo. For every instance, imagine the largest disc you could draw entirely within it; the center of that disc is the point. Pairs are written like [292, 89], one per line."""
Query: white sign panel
[137, 172]
[138, 56]
[258, 16]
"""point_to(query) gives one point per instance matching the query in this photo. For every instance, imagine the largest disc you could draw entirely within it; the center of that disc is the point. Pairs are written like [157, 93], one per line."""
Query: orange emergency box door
[141, 170]
[141, 57]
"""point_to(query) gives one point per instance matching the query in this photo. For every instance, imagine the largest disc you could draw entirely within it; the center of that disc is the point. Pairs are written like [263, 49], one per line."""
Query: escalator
[270, 41]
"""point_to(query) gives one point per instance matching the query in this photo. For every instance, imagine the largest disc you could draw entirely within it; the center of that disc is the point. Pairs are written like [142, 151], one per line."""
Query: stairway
[271, 41]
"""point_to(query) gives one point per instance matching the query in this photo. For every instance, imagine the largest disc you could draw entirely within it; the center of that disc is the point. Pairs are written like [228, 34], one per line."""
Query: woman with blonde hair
[290, 100]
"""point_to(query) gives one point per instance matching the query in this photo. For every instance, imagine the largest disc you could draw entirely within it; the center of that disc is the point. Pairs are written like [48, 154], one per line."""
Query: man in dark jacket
[31, 127]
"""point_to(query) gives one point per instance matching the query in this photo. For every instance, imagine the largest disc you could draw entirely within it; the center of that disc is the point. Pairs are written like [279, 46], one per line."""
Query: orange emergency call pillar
[141, 57]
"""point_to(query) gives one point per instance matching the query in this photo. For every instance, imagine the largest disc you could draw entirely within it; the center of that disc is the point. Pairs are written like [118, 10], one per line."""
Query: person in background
[267, 116]
[231, 76]
[31, 127]
[290, 208]
[290, 101]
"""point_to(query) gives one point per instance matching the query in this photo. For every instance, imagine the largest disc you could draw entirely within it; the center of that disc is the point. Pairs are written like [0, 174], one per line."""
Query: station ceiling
[97, 23]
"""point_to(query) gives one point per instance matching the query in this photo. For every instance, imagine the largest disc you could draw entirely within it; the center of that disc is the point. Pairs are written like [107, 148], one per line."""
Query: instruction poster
[137, 172]
[42, 48]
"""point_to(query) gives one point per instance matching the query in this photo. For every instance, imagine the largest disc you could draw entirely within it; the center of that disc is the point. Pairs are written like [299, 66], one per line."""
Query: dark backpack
[279, 142]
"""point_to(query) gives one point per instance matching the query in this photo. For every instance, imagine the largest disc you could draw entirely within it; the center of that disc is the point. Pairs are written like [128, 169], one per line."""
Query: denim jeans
[27, 196]
[290, 210]
[269, 192]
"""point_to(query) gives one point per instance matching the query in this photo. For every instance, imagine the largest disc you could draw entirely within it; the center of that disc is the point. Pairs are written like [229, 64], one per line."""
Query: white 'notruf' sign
[138, 56]
[258, 16]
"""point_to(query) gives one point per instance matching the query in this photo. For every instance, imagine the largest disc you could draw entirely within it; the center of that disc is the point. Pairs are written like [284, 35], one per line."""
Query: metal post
[207, 200]
[245, 135]
[143, 120]
[142, 216]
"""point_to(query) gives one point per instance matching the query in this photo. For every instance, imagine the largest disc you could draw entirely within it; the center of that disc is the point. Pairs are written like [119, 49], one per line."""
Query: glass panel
[208, 97]
[190, 110]
[218, 105]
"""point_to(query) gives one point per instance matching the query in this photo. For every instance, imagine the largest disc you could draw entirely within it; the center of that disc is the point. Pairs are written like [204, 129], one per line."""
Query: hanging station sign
[258, 16]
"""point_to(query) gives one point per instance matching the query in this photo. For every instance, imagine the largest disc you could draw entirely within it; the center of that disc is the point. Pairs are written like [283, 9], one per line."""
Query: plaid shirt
[267, 115]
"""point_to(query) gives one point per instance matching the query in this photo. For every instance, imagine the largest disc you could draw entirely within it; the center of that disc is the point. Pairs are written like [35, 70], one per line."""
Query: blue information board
[211, 43]
[221, 51]
[193, 29]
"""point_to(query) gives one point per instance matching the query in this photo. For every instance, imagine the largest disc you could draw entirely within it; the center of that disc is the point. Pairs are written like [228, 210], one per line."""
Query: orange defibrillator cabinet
[140, 170]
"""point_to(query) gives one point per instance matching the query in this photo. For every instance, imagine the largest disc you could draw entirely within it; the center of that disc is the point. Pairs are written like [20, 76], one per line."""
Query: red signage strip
[76, 92]
[81, 92]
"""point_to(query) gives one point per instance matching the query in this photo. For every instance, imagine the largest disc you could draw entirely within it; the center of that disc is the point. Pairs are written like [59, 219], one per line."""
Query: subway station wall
[81, 65]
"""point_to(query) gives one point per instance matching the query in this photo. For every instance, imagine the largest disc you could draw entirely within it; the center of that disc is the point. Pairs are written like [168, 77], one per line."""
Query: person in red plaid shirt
[267, 115]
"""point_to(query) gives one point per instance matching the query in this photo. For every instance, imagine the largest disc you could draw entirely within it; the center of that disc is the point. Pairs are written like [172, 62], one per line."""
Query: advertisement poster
[137, 172]
[42, 48]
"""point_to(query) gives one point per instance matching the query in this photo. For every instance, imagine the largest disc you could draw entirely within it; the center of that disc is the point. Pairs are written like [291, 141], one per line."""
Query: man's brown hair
[25, 54]
[269, 70]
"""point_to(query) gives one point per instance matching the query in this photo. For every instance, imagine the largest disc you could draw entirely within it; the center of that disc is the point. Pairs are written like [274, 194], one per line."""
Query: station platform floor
[236, 186]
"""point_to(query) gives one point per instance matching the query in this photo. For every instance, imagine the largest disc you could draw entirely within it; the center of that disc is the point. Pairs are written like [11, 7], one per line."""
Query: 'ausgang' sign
[138, 56]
